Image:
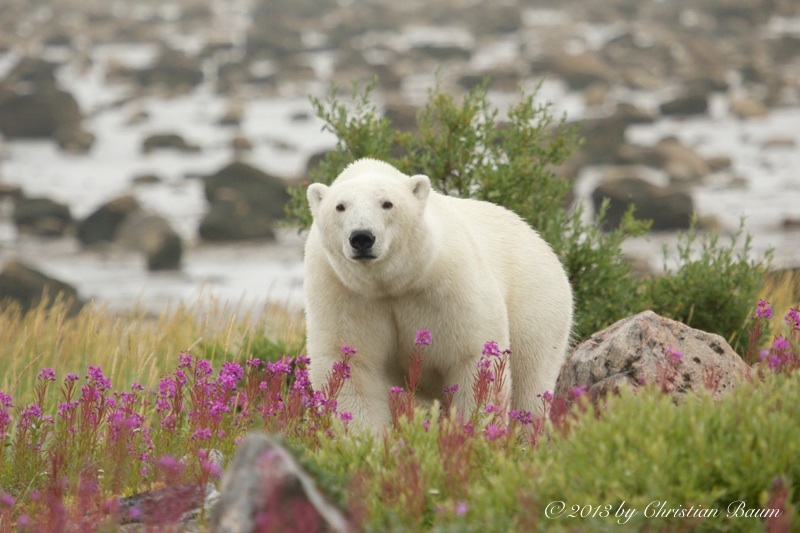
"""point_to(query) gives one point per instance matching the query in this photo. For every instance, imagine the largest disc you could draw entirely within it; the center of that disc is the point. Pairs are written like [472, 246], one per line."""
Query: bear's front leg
[365, 394]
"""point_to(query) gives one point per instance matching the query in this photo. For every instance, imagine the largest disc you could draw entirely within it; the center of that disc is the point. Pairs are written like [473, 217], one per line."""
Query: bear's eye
[387, 205]
[340, 207]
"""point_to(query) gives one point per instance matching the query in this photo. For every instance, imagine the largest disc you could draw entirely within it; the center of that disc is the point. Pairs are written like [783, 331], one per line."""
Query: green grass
[641, 449]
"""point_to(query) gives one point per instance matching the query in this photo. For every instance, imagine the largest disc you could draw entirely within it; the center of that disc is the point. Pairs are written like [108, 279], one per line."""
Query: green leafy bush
[713, 291]
[468, 151]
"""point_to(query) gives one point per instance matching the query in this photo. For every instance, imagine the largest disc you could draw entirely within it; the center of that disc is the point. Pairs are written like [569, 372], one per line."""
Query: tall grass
[136, 345]
[782, 290]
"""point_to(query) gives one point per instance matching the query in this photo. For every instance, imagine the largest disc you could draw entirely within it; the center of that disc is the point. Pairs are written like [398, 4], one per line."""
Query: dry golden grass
[132, 346]
[782, 290]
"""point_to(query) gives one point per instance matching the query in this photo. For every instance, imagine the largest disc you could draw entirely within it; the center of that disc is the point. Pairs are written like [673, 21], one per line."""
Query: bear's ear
[420, 186]
[314, 193]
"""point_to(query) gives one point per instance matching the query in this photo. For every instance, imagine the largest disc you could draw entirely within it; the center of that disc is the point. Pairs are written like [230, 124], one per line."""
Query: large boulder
[244, 203]
[103, 223]
[153, 236]
[669, 208]
[27, 287]
[262, 191]
[265, 489]
[39, 114]
[649, 349]
[235, 219]
[42, 216]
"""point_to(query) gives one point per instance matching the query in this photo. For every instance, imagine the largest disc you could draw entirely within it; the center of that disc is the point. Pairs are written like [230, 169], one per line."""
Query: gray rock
[748, 107]
[168, 141]
[669, 208]
[10, 191]
[580, 70]
[74, 139]
[245, 202]
[632, 352]
[42, 216]
[688, 104]
[153, 236]
[28, 288]
[31, 71]
[233, 218]
[173, 70]
[681, 163]
[103, 223]
[265, 489]
[262, 191]
[38, 114]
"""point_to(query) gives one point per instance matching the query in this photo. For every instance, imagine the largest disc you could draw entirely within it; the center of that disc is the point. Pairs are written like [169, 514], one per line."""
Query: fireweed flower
[547, 396]
[301, 380]
[95, 377]
[202, 434]
[462, 508]
[764, 310]
[492, 432]
[7, 500]
[781, 344]
[396, 390]
[180, 378]
[230, 374]
[792, 318]
[423, 337]
[204, 368]
[523, 417]
[346, 350]
[491, 408]
[30, 414]
[578, 391]
[185, 360]
[491, 349]
[673, 354]
[341, 369]
[6, 404]
[47, 374]
[280, 367]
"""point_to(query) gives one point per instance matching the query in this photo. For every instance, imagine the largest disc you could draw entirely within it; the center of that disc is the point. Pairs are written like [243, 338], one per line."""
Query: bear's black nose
[362, 240]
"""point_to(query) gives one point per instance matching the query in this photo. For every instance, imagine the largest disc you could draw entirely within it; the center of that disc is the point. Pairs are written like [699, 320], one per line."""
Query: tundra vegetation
[97, 407]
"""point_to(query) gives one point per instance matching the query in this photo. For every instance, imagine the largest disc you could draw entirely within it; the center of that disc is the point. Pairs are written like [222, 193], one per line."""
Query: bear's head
[371, 219]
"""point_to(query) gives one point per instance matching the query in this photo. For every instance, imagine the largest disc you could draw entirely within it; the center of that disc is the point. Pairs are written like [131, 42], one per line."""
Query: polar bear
[387, 256]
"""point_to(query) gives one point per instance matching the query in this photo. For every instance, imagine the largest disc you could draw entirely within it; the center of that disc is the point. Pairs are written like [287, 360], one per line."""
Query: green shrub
[713, 292]
[467, 151]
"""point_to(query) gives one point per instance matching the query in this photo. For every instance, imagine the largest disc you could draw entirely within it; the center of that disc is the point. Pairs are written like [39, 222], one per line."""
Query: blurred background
[147, 145]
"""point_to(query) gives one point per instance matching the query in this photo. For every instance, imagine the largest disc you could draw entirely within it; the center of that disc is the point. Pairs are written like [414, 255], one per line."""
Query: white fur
[469, 271]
